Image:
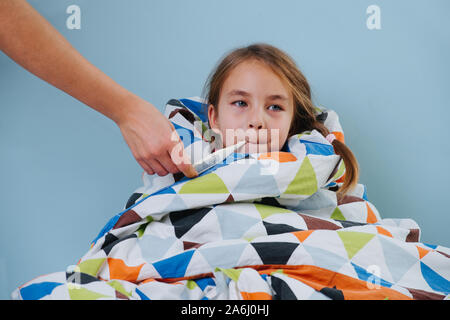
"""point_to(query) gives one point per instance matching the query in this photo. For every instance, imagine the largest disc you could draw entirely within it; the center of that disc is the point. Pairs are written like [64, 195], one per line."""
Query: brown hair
[304, 112]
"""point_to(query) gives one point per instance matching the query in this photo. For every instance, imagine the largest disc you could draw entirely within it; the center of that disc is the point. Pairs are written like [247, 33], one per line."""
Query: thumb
[182, 160]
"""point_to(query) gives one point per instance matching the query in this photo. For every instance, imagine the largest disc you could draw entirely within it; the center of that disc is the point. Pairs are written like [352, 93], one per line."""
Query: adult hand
[153, 140]
[147, 132]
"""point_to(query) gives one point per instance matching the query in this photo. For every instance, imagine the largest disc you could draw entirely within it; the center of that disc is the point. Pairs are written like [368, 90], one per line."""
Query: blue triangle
[200, 109]
[141, 294]
[225, 256]
[325, 259]
[366, 276]
[434, 280]
[167, 190]
[252, 182]
[153, 248]
[186, 135]
[233, 225]
[37, 291]
[176, 204]
[317, 148]
[174, 267]
[398, 260]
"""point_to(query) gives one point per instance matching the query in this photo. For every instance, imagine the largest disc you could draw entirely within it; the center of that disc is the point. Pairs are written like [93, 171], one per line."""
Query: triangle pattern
[363, 274]
[226, 256]
[304, 182]
[278, 228]
[325, 259]
[366, 259]
[354, 241]
[175, 205]
[434, 280]
[153, 247]
[266, 184]
[399, 260]
[209, 183]
[410, 278]
[184, 220]
[174, 267]
[76, 293]
[274, 252]
[337, 215]
[233, 225]
[267, 210]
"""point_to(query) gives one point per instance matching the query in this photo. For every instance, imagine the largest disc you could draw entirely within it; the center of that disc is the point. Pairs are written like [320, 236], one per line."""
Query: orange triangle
[422, 252]
[302, 235]
[384, 231]
[339, 135]
[371, 217]
[119, 270]
[256, 295]
[278, 156]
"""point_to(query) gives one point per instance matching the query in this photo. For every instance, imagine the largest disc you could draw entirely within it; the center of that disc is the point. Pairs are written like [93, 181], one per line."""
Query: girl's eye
[239, 105]
[277, 107]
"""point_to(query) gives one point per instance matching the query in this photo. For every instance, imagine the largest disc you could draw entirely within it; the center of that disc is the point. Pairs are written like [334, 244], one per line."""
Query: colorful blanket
[257, 226]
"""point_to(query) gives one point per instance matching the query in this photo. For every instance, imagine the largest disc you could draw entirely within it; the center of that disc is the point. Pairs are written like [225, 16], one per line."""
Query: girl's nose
[255, 125]
[256, 122]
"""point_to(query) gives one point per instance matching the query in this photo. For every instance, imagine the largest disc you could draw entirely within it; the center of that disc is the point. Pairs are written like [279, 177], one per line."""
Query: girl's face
[255, 105]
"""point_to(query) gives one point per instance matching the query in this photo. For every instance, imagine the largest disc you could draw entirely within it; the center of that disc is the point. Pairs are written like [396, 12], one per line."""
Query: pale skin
[32, 42]
[255, 105]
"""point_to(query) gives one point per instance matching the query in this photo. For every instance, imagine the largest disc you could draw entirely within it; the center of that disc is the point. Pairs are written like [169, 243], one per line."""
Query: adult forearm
[31, 41]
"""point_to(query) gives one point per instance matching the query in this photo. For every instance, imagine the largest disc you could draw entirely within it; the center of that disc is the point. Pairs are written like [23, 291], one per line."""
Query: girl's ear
[212, 117]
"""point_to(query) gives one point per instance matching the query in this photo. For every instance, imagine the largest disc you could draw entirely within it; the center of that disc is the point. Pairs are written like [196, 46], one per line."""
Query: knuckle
[174, 170]
[161, 173]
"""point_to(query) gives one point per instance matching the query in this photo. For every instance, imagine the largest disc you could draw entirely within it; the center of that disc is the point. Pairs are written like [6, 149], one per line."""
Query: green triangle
[209, 183]
[83, 294]
[305, 133]
[354, 241]
[91, 266]
[277, 271]
[191, 284]
[340, 171]
[141, 229]
[305, 181]
[266, 210]
[337, 214]
[233, 274]
[119, 287]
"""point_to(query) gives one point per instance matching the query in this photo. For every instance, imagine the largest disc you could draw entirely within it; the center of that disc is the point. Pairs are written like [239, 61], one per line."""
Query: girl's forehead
[253, 76]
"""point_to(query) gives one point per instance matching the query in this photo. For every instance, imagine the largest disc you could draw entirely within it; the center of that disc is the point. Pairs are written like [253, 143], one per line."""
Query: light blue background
[65, 169]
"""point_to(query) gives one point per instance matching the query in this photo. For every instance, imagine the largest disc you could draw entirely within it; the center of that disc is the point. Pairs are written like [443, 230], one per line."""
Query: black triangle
[347, 223]
[322, 117]
[277, 228]
[274, 252]
[132, 199]
[270, 201]
[111, 241]
[281, 289]
[332, 293]
[79, 278]
[184, 220]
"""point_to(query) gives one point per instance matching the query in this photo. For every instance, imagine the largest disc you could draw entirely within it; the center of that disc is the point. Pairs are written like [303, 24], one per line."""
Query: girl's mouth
[249, 147]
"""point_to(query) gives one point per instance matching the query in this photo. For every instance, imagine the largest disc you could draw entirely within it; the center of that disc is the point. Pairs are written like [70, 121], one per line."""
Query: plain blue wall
[65, 169]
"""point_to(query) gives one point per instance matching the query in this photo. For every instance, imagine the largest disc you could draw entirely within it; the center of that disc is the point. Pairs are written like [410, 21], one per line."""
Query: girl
[259, 89]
